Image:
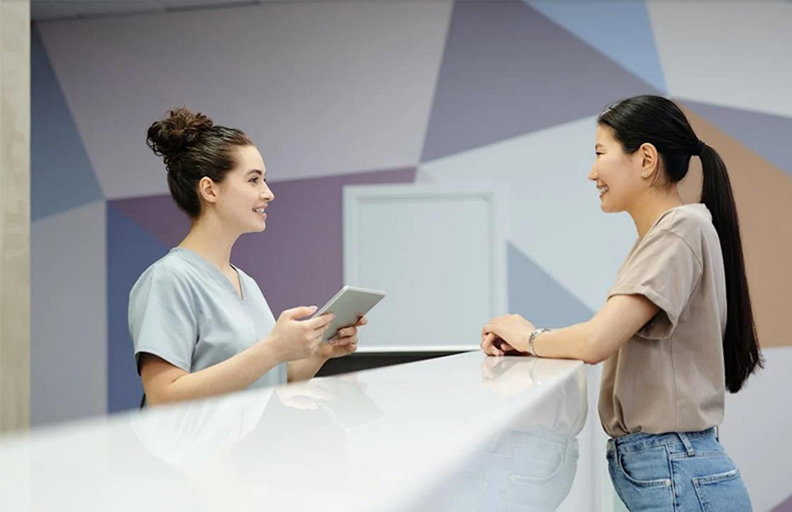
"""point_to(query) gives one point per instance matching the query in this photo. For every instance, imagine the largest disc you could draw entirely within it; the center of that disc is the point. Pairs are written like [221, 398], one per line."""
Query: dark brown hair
[192, 147]
[662, 123]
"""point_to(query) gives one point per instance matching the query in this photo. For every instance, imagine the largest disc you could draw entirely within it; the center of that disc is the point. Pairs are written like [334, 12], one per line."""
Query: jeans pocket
[722, 492]
[645, 468]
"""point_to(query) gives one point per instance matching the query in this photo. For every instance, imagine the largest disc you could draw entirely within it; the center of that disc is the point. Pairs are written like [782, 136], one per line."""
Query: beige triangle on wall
[763, 194]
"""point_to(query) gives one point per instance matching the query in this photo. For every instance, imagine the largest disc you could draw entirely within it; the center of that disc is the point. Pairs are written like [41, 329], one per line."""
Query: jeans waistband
[646, 440]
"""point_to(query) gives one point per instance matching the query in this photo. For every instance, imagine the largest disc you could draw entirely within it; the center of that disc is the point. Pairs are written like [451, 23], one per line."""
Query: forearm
[573, 342]
[305, 369]
[602, 336]
[234, 374]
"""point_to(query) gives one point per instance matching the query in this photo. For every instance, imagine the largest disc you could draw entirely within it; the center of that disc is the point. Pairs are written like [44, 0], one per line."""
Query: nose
[592, 175]
[267, 194]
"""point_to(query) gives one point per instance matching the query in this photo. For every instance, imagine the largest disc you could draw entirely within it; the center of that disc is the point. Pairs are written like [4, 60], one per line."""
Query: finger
[346, 340]
[496, 344]
[321, 322]
[507, 348]
[299, 312]
[343, 342]
[344, 350]
[317, 339]
[347, 332]
[488, 345]
[362, 321]
[491, 327]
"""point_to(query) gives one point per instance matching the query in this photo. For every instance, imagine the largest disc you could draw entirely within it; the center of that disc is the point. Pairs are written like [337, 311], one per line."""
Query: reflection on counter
[529, 465]
[464, 432]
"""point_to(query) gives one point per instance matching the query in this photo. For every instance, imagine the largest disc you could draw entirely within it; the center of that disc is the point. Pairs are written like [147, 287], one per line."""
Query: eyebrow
[598, 146]
[255, 171]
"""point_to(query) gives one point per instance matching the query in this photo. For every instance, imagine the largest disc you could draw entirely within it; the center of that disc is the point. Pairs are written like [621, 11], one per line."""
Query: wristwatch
[534, 335]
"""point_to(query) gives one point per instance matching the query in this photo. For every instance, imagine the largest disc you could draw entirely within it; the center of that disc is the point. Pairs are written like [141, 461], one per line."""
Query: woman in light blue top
[200, 326]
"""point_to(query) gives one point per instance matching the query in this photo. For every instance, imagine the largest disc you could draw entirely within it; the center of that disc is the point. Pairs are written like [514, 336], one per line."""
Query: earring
[645, 175]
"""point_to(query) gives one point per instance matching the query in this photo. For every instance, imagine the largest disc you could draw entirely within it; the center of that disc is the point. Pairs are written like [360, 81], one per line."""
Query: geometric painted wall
[347, 93]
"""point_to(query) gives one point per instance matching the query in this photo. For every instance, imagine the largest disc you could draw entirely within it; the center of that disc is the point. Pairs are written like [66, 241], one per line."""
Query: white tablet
[348, 305]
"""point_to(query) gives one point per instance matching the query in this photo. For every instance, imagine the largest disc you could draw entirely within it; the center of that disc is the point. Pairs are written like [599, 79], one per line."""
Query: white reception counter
[458, 433]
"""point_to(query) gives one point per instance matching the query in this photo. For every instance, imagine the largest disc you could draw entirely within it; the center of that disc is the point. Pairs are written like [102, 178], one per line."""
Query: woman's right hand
[293, 339]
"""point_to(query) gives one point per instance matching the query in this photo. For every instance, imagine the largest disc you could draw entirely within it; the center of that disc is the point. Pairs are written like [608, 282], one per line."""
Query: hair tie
[698, 148]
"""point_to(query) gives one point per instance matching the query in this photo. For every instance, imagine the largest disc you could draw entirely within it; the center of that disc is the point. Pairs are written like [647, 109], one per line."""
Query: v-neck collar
[194, 256]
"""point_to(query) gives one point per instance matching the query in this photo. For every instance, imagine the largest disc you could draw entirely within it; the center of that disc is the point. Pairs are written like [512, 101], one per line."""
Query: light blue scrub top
[184, 310]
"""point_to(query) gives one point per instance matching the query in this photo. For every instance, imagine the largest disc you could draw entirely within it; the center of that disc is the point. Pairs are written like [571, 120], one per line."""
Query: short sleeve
[162, 320]
[665, 270]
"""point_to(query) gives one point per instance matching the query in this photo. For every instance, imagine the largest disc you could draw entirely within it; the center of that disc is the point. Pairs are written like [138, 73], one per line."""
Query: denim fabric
[676, 472]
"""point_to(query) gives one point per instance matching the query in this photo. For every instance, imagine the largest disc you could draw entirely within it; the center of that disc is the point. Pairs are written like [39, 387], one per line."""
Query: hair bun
[180, 128]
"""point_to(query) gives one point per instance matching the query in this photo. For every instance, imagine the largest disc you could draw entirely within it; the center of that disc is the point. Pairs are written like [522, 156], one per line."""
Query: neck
[211, 240]
[651, 207]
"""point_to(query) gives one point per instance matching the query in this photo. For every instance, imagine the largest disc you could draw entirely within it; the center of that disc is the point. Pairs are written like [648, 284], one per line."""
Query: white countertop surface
[464, 432]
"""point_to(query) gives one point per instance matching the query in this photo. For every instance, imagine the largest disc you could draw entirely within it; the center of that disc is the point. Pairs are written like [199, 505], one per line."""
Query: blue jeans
[677, 472]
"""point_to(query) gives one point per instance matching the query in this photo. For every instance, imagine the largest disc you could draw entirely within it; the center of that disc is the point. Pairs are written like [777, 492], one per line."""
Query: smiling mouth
[260, 211]
[603, 190]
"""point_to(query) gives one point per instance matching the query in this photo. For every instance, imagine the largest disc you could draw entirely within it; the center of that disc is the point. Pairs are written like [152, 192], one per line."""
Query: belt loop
[717, 433]
[686, 442]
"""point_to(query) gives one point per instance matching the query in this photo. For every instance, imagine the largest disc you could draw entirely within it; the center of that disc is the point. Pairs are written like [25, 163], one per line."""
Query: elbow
[592, 358]
[162, 394]
[157, 399]
[595, 350]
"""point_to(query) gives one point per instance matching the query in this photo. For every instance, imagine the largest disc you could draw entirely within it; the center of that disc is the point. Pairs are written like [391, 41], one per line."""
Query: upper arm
[620, 319]
[157, 375]
[162, 318]
[665, 271]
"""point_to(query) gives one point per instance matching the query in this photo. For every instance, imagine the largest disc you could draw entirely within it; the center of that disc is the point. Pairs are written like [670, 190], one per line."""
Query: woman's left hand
[343, 343]
[504, 334]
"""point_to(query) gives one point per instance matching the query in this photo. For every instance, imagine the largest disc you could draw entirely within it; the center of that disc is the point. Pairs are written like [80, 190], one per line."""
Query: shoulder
[690, 225]
[690, 219]
[170, 271]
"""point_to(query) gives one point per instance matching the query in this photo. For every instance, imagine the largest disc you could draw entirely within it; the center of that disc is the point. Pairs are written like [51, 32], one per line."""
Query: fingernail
[312, 307]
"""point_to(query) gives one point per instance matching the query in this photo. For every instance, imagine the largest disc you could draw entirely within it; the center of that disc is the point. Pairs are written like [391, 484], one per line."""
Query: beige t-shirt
[670, 376]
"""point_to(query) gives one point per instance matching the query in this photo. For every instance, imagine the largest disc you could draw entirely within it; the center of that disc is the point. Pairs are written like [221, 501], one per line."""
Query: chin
[258, 228]
[609, 207]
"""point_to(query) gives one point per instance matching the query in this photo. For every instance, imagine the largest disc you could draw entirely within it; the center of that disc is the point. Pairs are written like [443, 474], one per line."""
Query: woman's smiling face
[244, 192]
[617, 174]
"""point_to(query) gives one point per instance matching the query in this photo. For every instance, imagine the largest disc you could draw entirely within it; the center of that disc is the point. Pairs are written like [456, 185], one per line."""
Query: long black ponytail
[661, 122]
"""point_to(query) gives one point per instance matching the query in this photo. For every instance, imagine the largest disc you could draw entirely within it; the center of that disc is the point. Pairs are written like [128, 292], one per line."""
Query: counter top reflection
[463, 432]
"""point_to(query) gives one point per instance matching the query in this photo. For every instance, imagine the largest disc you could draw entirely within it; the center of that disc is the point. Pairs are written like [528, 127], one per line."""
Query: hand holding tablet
[349, 305]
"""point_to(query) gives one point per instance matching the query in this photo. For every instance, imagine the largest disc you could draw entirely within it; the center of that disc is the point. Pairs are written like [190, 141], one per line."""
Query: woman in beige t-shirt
[677, 329]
